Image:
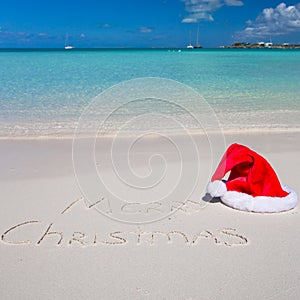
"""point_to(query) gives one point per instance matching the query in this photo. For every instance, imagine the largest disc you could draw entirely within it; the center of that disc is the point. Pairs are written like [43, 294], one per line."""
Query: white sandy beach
[55, 247]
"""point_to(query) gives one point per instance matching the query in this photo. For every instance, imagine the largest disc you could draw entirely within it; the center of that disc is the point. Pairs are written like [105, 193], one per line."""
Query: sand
[56, 244]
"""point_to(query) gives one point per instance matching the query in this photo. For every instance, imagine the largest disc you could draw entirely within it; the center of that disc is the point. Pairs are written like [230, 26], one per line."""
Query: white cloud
[42, 34]
[280, 20]
[20, 37]
[203, 9]
[189, 20]
[146, 30]
[234, 3]
[15, 34]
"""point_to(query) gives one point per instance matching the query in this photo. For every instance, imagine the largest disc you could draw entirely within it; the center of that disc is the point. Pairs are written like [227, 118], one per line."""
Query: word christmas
[31, 233]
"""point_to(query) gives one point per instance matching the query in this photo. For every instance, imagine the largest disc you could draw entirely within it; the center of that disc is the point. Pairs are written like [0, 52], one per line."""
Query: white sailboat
[190, 46]
[67, 46]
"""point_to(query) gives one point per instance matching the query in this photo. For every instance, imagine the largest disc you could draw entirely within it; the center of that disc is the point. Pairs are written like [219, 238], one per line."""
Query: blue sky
[151, 23]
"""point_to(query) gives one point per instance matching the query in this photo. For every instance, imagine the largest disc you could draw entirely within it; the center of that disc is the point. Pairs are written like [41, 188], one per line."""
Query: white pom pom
[216, 188]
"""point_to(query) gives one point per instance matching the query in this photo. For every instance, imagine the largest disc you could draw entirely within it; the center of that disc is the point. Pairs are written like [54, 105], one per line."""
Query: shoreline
[247, 131]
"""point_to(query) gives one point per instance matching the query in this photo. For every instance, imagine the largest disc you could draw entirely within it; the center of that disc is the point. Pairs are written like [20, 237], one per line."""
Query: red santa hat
[252, 184]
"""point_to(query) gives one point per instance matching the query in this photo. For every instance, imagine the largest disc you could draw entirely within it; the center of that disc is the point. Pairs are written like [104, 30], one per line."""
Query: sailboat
[197, 46]
[190, 46]
[67, 46]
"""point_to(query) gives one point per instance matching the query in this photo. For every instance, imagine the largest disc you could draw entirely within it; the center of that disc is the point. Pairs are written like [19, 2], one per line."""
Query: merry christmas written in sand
[38, 232]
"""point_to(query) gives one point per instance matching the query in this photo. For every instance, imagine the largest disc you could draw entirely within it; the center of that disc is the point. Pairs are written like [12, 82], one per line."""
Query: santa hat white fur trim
[245, 202]
[216, 188]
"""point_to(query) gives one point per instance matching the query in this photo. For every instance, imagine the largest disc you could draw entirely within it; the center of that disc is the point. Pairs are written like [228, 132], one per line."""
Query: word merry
[223, 237]
[105, 206]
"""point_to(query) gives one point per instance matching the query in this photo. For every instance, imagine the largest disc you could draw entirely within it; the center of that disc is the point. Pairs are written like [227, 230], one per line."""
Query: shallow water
[45, 92]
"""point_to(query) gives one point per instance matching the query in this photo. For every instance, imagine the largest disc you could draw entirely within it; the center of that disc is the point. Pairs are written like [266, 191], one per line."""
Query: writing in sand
[15, 235]
[37, 232]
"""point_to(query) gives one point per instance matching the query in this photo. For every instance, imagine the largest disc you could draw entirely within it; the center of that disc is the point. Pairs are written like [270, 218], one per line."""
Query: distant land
[261, 45]
[237, 45]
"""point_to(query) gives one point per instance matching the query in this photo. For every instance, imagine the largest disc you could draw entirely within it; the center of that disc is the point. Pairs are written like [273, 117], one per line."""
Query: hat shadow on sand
[208, 198]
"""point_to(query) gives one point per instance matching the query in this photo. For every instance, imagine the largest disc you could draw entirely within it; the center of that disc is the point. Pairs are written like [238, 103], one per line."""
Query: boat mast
[66, 40]
[197, 39]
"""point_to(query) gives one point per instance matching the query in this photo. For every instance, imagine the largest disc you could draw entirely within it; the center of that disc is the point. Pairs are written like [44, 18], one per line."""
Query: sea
[45, 92]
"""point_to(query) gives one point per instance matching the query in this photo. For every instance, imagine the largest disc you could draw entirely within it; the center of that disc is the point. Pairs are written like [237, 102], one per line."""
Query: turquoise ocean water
[44, 92]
